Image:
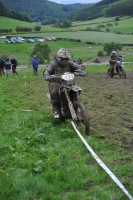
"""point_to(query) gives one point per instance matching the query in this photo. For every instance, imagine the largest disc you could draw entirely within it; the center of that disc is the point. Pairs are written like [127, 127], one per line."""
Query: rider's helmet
[63, 56]
[113, 52]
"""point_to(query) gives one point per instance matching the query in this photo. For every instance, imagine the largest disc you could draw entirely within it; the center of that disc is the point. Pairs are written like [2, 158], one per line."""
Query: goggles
[63, 59]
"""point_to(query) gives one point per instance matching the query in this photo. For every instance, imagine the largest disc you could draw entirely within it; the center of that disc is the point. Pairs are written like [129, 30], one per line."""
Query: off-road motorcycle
[71, 106]
[118, 71]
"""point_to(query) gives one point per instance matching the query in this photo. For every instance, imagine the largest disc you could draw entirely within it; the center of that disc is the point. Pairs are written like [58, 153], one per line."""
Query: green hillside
[12, 14]
[12, 24]
[40, 10]
[98, 25]
[108, 24]
[106, 8]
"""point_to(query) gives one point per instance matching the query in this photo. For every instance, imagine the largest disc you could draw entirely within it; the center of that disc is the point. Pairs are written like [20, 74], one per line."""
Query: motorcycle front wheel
[123, 73]
[82, 117]
[110, 73]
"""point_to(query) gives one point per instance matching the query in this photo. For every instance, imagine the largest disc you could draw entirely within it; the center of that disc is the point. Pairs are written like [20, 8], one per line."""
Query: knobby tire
[83, 118]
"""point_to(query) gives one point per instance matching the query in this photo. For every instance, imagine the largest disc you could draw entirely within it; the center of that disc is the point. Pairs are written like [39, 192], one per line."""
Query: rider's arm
[46, 75]
[79, 72]
[77, 69]
[112, 59]
[49, 73]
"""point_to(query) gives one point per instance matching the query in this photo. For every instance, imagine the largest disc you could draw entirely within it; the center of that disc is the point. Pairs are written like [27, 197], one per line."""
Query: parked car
[20, 38]
[16, 40]
[2, 37]
[53, 38]
[47, 39]
[7, 42]
[30, 40]
[39, 39]
[19, 41]
[12, 41]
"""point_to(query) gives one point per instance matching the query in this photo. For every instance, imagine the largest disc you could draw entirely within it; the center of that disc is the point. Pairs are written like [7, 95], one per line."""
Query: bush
[42, 51]
[108, 47]
[88, 29]
[90, 43]
[78, 40]
[117, 19]
[100, 54]
[37, 28]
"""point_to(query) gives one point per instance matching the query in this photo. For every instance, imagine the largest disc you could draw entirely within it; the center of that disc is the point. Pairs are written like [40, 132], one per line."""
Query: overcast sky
[74, 1]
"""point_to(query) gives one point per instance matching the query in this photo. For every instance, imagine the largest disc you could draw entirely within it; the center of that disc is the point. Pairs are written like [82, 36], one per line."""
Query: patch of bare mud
[110, 106]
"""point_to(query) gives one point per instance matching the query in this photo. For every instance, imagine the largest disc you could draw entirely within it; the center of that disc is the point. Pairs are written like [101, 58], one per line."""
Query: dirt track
[110, 106]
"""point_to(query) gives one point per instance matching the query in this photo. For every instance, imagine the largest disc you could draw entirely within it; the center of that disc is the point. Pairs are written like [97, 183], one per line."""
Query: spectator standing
[14, 65]
[1, 67]
[79, 61]
[7, 65]
[35, 65]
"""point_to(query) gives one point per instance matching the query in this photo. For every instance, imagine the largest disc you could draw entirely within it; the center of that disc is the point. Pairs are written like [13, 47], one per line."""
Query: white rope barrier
[99, 161]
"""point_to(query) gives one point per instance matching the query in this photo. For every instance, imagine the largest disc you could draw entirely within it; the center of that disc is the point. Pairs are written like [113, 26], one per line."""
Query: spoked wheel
[83, 118]
[119, 74]
[110, 73]
[123, 73]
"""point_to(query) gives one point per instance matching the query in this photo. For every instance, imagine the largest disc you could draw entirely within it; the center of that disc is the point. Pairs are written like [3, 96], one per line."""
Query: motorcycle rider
[60, 65]
[119, 60]
[113, 61]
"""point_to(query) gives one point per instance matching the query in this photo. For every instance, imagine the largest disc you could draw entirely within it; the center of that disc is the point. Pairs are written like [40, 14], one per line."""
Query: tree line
[21, 29]
[106, 8]
[13, 14]
[43, 10]
[125, 8]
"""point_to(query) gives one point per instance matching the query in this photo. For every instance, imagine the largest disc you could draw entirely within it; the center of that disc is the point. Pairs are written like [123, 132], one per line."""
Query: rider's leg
[55, 100]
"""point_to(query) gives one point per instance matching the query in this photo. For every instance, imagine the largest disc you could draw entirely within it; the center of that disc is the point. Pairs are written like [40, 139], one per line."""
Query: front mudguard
[75, 88]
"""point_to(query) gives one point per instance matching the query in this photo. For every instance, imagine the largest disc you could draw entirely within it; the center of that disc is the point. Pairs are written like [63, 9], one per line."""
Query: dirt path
[110, 106]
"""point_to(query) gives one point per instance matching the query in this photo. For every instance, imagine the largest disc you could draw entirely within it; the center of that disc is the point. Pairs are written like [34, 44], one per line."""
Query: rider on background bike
[60, 65]
[113, 61]
[119, 60]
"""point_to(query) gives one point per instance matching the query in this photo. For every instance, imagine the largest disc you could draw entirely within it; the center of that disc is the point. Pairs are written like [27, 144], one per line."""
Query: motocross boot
[56, 112]
[64, 110]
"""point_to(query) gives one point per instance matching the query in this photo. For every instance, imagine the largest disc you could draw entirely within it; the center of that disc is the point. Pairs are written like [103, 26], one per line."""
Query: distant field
[77, 30]
[123, 25]
[12, 23]
[91, 41]
[87, 36]
[76, 50]
[93, 21]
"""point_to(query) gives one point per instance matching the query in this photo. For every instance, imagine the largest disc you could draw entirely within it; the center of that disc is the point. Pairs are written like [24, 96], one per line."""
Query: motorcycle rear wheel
[83, 118]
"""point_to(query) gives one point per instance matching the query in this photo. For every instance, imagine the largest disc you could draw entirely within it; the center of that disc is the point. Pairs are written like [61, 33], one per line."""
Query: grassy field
[77, 31]
[93, 21]
[44, 159]
[121, 26]
[87, 36]
[12, 24]
[76, 49]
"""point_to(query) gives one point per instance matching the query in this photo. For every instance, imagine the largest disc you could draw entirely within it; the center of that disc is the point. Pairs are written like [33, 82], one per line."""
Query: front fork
[70, 105]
